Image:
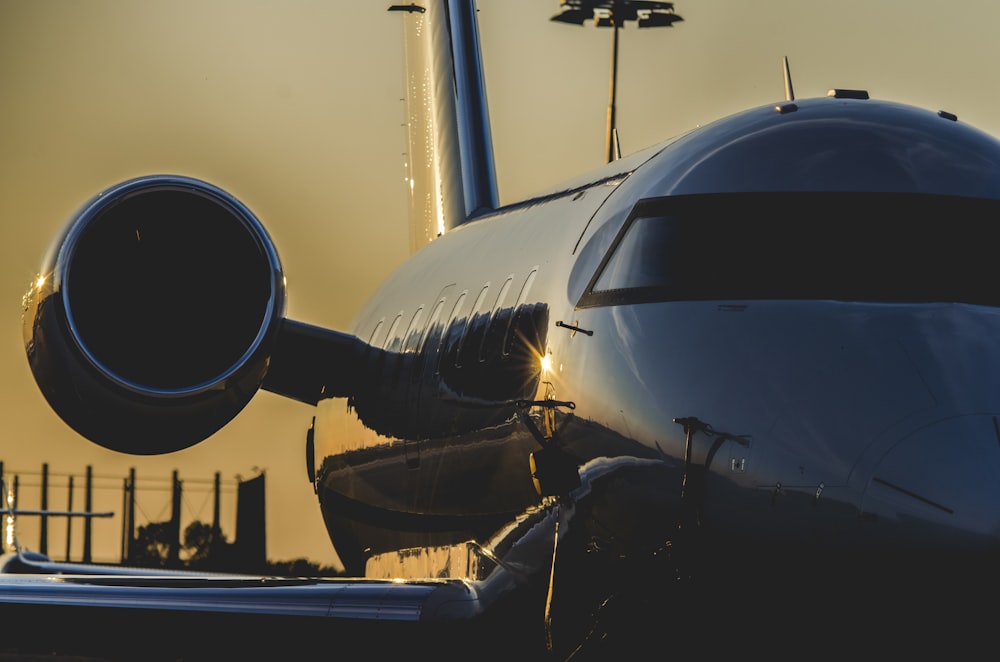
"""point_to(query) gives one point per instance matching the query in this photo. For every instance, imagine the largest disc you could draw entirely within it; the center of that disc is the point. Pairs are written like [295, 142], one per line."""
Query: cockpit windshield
[885, 247]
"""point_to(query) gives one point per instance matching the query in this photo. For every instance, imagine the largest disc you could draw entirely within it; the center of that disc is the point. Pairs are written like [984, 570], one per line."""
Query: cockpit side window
[873, 247]
[641, 258]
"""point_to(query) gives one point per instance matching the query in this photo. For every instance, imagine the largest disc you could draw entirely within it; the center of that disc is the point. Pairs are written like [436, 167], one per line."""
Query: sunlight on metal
[9, 524]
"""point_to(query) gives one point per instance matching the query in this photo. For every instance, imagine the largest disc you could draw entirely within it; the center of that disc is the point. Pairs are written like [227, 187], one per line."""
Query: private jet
[736, 391]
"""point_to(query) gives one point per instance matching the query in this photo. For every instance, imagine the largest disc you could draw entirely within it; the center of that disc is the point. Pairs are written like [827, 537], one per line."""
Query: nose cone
[940, 485]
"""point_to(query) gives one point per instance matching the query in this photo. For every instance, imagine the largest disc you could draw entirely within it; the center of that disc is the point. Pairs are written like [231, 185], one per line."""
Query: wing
[182, 616]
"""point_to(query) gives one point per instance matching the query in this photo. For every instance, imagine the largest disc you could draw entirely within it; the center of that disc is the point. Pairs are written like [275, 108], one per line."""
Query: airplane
[734, 392]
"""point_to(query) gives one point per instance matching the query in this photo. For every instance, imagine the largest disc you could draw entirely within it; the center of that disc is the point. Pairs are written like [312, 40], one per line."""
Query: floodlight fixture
[614, 14]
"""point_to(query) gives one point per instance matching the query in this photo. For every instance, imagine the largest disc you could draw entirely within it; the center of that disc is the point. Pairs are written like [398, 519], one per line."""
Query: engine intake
[155, 314]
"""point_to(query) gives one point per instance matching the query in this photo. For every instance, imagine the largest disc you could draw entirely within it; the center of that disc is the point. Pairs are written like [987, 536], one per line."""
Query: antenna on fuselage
[789, 93]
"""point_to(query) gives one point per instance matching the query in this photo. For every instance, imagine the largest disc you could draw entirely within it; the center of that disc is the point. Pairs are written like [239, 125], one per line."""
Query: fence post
[88, 501]
[174, 557]
[43, 533]
[69, 520]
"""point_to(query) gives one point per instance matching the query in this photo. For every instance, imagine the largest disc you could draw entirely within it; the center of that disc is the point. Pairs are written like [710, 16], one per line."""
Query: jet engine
[153, 318]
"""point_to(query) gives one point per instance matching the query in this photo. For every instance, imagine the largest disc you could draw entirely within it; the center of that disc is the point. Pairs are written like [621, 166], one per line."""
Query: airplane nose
[939, 484]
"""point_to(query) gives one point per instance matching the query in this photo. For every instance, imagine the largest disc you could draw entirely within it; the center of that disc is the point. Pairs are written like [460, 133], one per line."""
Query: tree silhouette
[300, 568]
[206, 548]
[151, 547]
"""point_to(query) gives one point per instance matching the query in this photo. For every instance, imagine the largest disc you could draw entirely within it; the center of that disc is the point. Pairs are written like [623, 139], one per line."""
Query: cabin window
[392, 339]
[872, 247]
[474, 324]
[378, 327]
[493, 326]
[518, 310]
[449, 327]
[414, 332]
[432, 331]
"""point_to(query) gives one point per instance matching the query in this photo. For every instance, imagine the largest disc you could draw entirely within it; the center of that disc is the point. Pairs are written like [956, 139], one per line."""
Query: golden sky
[294, 107]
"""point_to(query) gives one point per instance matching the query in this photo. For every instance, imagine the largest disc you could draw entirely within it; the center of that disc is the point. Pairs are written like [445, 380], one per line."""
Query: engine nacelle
[154, 315]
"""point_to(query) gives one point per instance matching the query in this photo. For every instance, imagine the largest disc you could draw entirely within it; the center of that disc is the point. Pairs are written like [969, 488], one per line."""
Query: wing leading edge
[189, 617]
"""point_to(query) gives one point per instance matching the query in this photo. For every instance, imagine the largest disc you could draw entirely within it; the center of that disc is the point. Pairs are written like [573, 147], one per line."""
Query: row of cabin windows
[415, 338]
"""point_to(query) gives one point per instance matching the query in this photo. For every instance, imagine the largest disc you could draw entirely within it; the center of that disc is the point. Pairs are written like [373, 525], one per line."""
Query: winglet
[789, 93]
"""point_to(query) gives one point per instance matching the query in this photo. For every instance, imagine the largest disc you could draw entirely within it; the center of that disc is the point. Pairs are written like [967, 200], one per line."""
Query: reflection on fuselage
[465, 377]
[838, 368]
[445, 417]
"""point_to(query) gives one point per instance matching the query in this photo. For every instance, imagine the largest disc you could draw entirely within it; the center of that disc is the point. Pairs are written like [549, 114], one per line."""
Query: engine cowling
[152, 321]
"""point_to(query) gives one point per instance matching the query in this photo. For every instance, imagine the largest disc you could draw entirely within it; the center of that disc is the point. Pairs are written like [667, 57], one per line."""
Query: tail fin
[450, 169]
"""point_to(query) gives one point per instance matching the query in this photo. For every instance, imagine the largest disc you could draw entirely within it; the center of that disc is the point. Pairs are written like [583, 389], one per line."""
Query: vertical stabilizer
[450, 171]
[472, 112]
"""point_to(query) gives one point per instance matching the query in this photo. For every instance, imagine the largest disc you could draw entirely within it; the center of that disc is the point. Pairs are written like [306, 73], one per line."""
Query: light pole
[614, 14]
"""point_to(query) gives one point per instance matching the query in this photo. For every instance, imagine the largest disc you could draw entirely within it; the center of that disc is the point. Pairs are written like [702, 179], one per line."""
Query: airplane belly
[426, 476]
[380, 494]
